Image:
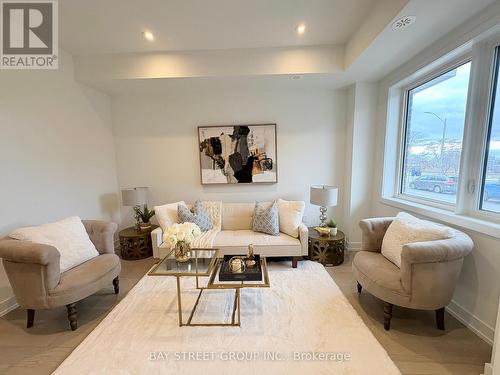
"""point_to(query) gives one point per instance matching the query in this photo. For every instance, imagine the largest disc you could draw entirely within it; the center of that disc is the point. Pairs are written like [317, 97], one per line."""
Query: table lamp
[323, 196]
[134, 197]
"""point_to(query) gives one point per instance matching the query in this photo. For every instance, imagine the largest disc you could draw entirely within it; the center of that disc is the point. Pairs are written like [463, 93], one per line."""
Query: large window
[490, 197]
[442, 149]
[434, 119]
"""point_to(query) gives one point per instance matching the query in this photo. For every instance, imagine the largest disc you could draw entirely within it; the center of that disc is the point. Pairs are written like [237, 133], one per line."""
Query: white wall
[360, 147]
[56, 152]
[156, 141]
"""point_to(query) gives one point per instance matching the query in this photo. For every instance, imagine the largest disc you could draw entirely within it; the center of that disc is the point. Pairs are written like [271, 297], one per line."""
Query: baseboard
[7, 305]
[353, 246]
[488, 369]
[476, 325]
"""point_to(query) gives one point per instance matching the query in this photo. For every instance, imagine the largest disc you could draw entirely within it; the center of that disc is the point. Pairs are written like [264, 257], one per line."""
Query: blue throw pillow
[197, 215]
[266, 218]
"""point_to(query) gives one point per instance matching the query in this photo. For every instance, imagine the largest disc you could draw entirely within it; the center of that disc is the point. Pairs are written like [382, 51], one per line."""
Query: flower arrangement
[185, 232]
[179, 237]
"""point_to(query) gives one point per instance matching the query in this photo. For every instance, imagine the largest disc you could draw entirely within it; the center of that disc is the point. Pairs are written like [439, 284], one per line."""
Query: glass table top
[202, 263]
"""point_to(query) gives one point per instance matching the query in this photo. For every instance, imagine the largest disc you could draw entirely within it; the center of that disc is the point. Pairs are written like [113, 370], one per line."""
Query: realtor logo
[29, 37]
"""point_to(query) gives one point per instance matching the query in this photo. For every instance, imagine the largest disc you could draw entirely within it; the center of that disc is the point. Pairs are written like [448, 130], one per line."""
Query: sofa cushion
[68, 236]
[380, 277]
[266, 219]
[86, 279]
[214, 211]
[167, 214]
[197, 215]
[243, 238]
[290, 216]
[405, 229]
[237, 216]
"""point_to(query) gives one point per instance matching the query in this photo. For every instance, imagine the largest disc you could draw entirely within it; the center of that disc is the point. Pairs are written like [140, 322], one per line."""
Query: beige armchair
[33, 272]
[428, 275]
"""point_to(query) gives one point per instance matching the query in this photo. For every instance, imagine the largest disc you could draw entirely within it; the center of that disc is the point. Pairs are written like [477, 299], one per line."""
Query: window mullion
[476, 128]
[467, 197]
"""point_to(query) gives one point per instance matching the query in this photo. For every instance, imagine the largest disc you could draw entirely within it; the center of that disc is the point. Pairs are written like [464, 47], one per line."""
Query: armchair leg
[72, 316]
[30, 317]
[440, 318]
[360, 288]
[387, 315]
[116, 284]
[294, 262]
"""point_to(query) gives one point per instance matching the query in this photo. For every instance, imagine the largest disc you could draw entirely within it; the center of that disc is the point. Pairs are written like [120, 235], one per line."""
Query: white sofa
[236, 234]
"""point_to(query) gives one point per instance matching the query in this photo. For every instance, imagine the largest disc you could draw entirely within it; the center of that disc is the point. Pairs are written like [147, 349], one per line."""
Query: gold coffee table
[205, 263]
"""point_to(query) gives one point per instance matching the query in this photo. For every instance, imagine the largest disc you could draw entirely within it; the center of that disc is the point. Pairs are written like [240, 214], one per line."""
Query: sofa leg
[116, 284]
[72, 316]
[30, 317]
[360, 288]
[387, 315]
[294, 262]
[440, 318]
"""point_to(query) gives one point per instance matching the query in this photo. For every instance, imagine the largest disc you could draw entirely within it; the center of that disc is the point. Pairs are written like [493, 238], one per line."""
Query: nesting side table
[136, 244]
[327, 250]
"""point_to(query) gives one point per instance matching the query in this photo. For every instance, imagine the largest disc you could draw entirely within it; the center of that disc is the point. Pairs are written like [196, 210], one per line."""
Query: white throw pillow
[214, 209]
[68, 236]
[407, 229]
[167, 214]
[290, 216]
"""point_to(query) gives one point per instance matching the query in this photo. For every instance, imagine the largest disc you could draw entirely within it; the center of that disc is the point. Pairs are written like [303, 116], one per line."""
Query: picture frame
[238, 154]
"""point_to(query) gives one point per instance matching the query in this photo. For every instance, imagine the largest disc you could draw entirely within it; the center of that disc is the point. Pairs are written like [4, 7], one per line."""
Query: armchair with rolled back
[34, 273]
[428, 275]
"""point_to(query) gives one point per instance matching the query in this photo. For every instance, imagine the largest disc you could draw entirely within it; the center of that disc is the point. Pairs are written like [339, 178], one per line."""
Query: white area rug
[303, 324]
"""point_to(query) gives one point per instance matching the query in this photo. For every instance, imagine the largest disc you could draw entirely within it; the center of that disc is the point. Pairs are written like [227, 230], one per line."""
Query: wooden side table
[327, 250]
[136, 244]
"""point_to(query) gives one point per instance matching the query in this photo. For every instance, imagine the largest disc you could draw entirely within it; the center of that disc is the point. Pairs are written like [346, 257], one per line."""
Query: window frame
[485, 54]
[480, 50]
[434, 73]
[495, 76]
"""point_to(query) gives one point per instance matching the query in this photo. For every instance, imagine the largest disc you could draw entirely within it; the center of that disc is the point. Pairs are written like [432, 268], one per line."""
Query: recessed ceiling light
[148, 35]
[301, 29]
[403, 22]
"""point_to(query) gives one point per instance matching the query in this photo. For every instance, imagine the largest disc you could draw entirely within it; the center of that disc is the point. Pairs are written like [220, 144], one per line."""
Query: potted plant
[142, 217]
[332, 224]
[179, 237]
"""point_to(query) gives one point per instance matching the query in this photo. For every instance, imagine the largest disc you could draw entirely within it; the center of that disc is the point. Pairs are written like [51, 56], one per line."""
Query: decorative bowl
[324, 231]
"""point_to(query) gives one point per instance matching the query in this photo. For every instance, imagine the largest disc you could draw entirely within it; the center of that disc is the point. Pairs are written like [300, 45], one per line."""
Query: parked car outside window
[437, 184]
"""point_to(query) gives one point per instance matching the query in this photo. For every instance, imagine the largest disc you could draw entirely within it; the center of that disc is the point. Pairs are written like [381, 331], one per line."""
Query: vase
[333, 231]
[182, 250]
[145, 226]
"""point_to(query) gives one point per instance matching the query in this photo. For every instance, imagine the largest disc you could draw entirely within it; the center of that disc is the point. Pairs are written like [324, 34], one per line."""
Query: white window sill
[462, 221]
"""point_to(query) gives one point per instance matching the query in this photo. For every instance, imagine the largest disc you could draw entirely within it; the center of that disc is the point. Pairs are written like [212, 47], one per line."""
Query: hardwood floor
[413, 342]
[40, 349]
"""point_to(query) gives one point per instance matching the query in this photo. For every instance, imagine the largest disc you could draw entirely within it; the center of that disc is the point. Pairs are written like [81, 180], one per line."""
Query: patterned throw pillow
[197, 215]
[265, 218]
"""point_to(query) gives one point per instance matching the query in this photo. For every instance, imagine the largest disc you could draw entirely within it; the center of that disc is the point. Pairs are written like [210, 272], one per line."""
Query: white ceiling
[115, 26]
[202, 44]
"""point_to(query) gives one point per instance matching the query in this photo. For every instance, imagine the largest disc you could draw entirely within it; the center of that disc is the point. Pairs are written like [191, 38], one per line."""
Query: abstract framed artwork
[238, 154]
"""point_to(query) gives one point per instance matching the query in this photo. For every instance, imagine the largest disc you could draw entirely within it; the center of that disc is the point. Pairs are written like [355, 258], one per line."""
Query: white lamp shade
[135, 196]
[324, 195]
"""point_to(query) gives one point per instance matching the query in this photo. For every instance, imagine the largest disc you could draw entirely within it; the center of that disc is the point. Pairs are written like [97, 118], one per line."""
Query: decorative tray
[249, 274]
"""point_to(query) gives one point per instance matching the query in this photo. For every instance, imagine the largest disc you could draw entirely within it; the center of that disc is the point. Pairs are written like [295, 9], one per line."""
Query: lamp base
[322, 216]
